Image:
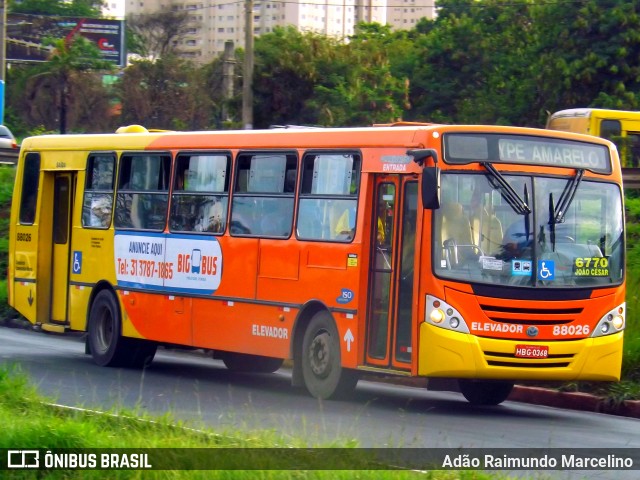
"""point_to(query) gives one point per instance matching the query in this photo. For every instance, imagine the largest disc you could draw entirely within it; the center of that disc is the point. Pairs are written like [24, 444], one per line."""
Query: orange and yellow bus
[619, 126]
[487, 255]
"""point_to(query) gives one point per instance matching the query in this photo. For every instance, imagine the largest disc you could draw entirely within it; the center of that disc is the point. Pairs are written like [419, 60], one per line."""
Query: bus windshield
[479, 236]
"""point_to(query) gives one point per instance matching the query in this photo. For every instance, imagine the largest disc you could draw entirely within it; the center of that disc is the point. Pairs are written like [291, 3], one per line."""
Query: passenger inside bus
[516, 242]
[343, 220]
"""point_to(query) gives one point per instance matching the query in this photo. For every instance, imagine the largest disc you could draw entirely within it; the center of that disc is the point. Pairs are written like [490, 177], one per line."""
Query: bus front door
[389, 326]
[61, 236]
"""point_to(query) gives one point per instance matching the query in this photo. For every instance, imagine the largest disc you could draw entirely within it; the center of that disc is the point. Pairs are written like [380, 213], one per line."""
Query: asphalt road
[202, 391]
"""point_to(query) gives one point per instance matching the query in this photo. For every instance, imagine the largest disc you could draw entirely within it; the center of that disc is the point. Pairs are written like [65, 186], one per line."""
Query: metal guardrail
[631, 177]
[9, 156]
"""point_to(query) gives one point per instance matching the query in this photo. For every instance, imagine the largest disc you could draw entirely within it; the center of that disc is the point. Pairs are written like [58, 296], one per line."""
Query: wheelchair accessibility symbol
[546, 270]
[77, 262]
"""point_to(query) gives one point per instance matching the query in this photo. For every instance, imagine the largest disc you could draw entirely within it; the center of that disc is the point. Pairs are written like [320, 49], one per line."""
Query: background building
[215, 22]
[113, 9]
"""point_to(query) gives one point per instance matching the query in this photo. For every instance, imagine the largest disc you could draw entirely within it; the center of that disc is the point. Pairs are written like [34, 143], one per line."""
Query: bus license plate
[532, 351]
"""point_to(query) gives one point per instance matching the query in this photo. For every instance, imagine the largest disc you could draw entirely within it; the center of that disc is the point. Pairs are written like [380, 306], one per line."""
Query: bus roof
[402, 136]
[599, 112]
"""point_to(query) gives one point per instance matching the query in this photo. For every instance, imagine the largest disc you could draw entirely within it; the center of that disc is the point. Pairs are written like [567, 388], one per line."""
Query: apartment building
[215, 22]
[113, 9]
[405, 14]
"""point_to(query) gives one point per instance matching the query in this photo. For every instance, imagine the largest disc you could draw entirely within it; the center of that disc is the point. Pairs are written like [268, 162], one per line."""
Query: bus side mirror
[430, 177]
[431, 187]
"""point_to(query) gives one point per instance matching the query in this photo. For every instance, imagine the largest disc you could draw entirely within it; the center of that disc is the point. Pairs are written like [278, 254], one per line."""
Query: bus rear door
[389, 326]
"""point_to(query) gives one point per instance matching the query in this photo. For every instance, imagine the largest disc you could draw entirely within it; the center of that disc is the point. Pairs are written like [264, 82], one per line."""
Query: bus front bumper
[444, 353]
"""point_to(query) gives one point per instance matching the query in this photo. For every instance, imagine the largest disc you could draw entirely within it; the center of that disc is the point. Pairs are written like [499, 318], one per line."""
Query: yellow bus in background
[619, 126]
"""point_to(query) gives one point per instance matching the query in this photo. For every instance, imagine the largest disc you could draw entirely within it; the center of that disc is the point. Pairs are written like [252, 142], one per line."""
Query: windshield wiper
[511, 196]
[568, 194]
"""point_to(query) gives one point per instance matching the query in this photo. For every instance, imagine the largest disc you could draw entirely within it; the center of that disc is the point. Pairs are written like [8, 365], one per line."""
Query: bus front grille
[534, 364]
[531, 315]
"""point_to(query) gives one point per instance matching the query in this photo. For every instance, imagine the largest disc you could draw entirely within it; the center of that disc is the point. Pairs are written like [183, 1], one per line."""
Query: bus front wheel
[106, 344]
[322, 371]
[485, 392]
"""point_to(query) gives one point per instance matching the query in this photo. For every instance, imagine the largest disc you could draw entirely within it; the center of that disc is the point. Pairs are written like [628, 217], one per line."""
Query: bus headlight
[436, 316]
[612, 322]
[443, 315]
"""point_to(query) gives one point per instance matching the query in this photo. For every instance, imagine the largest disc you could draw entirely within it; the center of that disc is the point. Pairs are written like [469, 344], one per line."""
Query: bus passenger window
[200, 193]
[329, 197]
[264, 195]
[30, 184]
[98, 191]
[143, 185]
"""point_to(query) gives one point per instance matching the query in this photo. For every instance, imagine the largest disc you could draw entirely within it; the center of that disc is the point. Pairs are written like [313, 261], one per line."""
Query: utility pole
[228, 71]
[247, 79]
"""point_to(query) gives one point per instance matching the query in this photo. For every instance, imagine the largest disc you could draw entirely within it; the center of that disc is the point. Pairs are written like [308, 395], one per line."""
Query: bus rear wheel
[485, 392]
[106, 344]
[242, 362]
[322, 371]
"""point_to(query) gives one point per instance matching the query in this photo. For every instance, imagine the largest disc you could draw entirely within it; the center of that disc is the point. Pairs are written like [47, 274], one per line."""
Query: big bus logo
[196, 263]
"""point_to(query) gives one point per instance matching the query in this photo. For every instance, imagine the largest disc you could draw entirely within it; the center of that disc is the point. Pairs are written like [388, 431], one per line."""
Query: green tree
[169, 93]
[73, 8]
[588, 54]
[361, 89]
[288, 64]
[307, 78]
[72, 63]
[154, 35]
[475, 64]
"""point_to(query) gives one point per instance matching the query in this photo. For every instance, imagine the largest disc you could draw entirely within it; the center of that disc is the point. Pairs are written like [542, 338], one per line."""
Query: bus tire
[485, 392]
[107, 345]
[323, 374]
[105, 340]
[242, 362]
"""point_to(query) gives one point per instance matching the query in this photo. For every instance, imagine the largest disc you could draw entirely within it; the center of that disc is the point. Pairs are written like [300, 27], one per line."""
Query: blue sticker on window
[346, 296]
[521, 267]
[546, 270]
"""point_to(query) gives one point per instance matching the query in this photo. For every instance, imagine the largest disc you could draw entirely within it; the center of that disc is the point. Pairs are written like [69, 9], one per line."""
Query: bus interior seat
[487, 231]
[136, 213]
[455, 231]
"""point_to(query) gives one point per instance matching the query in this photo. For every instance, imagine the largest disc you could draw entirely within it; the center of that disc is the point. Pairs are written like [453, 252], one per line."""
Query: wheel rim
[320, 355]
[104, 329]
